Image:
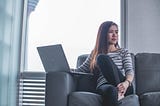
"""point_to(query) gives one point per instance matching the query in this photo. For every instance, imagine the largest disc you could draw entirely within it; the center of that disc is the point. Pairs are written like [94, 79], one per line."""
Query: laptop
[53, 58]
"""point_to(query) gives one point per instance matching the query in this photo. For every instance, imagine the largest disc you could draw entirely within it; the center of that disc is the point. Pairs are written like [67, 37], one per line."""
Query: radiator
[31, 89]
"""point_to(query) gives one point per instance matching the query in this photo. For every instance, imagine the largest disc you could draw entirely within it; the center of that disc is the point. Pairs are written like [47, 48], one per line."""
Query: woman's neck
[112, 48]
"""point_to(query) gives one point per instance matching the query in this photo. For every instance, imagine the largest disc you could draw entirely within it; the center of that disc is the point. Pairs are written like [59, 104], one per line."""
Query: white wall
[142, 18]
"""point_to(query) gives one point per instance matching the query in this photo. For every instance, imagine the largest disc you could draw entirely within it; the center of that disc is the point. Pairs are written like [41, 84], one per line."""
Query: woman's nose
[114, 34]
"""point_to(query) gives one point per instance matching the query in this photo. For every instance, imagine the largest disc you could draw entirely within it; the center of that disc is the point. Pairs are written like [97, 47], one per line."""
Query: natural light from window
[72, 23]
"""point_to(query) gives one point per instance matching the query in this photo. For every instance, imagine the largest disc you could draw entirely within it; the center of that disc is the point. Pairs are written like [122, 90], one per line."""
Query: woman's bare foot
[120, 96]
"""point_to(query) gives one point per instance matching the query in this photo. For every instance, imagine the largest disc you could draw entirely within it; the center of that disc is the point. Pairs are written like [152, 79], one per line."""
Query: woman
[111, 65]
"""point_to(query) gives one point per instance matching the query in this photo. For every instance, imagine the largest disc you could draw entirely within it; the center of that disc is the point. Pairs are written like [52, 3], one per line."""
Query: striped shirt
[122, 58]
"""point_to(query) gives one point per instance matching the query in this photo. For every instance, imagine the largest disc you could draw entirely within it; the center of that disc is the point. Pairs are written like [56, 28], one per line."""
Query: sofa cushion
[130, 100]
[84, 99]
[92, 99]
[147, 72]
[150, 99]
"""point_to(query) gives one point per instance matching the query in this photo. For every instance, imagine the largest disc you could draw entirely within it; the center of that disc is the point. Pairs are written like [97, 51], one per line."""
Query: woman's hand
[122, 87]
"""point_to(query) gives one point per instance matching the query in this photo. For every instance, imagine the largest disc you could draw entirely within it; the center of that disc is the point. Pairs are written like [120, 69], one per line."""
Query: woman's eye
[110, 32]
[113, 32]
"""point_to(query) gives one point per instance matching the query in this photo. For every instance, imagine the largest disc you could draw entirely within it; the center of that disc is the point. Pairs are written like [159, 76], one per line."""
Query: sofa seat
[130, 100]
[93, 99]
[84, 99]
[150, 99]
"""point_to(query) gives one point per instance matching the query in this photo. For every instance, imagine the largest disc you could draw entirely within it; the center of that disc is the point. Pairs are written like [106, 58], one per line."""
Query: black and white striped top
[122, 58]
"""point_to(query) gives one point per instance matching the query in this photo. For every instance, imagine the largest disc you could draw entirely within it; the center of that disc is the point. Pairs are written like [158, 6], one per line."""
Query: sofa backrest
[147, 72]
[81, 59]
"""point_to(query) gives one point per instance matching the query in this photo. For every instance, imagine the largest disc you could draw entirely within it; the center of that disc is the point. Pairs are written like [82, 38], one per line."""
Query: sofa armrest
[85, 82]
[58, 86]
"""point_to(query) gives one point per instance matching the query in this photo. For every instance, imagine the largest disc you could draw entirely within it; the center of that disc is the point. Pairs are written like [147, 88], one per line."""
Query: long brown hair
[102, 44]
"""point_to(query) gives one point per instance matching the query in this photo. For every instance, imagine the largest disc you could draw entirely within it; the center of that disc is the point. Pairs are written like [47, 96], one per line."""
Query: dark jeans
[112, 74]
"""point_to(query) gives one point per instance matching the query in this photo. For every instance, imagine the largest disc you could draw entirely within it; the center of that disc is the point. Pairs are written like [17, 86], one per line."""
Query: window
[72, 23]
[11, 28]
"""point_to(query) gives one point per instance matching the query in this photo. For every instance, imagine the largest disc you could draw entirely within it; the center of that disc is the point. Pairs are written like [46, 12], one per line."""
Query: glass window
[11, 28]
[72, 23]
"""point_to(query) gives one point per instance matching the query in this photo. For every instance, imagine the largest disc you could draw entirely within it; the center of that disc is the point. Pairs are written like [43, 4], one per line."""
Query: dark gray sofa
[78, 89]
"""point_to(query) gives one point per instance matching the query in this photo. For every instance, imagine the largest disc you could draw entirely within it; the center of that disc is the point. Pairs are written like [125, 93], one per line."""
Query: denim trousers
[113, 76]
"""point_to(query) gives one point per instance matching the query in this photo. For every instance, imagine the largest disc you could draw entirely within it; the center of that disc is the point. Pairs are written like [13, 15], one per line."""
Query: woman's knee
[100, 58]
[112, 90]
[107, 89]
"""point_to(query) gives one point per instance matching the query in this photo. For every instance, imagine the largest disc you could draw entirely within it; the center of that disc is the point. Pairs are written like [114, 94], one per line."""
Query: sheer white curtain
[11, 12]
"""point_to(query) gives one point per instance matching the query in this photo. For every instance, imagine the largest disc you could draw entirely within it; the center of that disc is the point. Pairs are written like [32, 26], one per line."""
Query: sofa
[79, 89]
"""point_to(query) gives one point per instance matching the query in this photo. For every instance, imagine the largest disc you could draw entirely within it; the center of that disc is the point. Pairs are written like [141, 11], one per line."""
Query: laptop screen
[53, 58]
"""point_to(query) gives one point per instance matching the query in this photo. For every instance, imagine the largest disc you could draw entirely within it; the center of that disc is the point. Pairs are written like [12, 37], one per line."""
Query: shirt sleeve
[127, 63]
[85, 67]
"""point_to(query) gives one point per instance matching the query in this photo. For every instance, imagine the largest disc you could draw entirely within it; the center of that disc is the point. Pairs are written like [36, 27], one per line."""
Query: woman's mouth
[114, 39]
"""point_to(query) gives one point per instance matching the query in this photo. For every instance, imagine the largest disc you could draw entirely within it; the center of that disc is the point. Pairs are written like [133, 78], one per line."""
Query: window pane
[11, 13]
[73, 23]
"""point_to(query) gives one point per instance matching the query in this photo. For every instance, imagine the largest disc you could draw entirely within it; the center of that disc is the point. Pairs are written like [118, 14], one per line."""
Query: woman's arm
[128, 66]
[85, 67]
[129, 72]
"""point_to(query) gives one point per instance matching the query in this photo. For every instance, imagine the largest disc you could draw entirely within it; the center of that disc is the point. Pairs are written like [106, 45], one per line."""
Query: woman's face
[113, 35]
